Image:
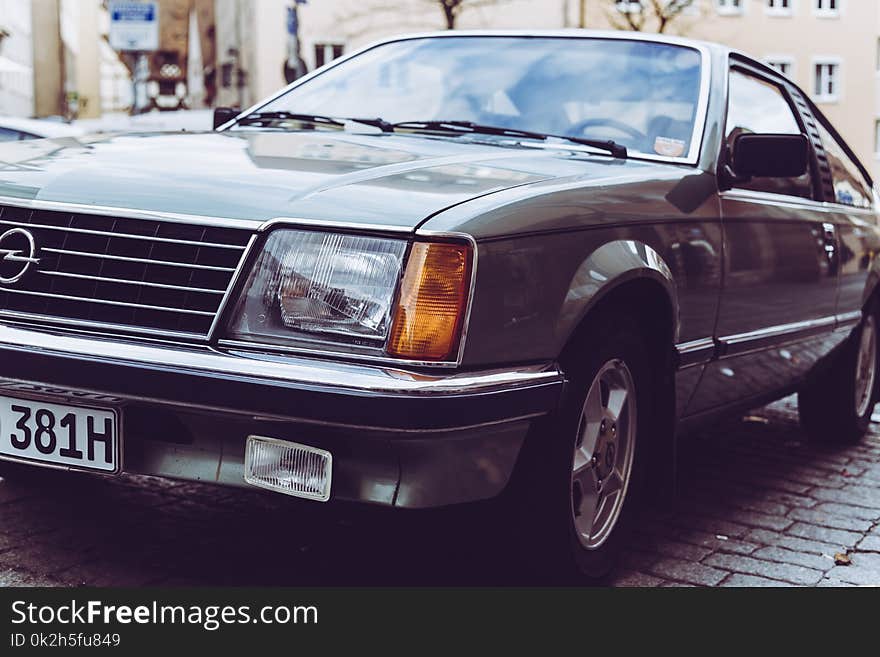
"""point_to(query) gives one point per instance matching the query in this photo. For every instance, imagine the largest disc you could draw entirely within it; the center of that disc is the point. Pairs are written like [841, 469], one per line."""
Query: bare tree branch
[452, 8]
[638, 16]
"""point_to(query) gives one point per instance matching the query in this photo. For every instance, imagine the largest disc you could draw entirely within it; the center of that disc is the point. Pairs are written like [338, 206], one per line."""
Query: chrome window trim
[131, 213]
[701, 115]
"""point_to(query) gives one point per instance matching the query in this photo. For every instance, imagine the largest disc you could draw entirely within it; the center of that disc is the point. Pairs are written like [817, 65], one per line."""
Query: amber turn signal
[433, 301]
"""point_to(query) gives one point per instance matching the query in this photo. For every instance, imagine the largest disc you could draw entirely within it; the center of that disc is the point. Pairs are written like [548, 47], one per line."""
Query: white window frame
[839, 85]
[787, 60]
[628, 6]
[327, 43]
[775, 8]
[877, 57]
[727, 8]
[826, 12]
[877, 138]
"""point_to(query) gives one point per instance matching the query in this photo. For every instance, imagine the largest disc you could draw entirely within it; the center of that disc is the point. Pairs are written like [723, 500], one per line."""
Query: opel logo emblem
[18, 252]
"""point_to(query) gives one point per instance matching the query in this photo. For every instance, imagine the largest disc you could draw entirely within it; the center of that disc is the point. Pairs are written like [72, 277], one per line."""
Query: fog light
[288, 468]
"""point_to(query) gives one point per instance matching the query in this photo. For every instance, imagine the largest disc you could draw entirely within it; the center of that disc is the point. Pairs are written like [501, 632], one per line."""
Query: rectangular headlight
[321, 285]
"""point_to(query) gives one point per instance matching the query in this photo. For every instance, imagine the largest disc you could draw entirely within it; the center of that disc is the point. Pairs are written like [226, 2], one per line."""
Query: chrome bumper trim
[312, 372]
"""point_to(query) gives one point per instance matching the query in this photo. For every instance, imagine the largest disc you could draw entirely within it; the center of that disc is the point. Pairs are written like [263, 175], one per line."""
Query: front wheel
[604, 451]
[582, 470]
[837, 406]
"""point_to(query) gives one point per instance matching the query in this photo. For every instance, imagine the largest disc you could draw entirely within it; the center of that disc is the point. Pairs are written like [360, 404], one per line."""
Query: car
[506, 267]
[17, 129]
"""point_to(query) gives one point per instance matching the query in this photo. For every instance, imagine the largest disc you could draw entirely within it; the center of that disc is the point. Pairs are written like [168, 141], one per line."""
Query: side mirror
[224, 115]
[770, 156]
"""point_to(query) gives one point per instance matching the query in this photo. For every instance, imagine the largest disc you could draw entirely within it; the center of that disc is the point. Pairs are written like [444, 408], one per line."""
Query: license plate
[59, 435]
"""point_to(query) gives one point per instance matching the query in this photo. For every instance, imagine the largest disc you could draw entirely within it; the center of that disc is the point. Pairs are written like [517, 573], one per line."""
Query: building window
[826, 80]
[877, 137]
[780, 7]
[782, 63]
[730, 7]
[327, 52]
[628, 6]
[827, 8]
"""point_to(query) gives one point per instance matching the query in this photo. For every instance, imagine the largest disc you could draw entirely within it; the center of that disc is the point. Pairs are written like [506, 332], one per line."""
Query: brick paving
[757, 506]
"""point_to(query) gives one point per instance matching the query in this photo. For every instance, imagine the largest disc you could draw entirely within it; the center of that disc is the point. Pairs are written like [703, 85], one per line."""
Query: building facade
[54, 59]
[16, 58]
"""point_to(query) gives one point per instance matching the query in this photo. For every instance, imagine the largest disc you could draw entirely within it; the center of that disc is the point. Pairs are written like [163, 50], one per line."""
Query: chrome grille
[126, 274]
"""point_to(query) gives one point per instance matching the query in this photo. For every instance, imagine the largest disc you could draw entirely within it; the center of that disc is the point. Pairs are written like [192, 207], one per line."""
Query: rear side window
[850, 186]
[758, 106]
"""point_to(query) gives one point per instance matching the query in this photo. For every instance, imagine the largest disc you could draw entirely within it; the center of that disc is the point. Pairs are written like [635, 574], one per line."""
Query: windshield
[642, 95]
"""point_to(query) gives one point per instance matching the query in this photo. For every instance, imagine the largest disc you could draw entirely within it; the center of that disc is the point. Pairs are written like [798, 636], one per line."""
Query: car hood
[383, 180]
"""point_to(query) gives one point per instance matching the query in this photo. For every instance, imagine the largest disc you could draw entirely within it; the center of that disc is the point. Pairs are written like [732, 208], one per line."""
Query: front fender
[605, 270]
[533, 293]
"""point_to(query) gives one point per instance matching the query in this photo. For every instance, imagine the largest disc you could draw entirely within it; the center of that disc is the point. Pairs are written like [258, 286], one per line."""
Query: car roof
[620, 35]
[40, 127]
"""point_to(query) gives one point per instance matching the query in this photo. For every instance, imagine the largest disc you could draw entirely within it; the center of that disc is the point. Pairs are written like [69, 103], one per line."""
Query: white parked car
[17, 129]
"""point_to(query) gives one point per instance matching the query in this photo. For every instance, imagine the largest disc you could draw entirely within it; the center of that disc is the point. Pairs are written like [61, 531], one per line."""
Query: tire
[556, 539]
[836, 406]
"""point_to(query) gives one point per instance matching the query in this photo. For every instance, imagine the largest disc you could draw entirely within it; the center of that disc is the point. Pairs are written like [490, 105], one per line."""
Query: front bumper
[398, 438]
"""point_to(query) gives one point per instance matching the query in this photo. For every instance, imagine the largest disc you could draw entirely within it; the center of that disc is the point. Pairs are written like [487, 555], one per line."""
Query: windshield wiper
[455, 126]
[468, 127]
[267, 117]
[616, 150]
[316, 119]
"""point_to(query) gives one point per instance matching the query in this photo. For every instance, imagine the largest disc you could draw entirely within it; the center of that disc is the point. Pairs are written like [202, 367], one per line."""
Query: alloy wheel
[603, 454]
[866, 366]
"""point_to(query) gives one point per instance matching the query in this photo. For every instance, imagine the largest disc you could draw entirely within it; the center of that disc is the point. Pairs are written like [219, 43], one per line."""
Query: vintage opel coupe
[446, 268]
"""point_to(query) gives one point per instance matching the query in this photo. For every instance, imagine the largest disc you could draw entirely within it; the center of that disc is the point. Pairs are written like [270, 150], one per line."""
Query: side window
[758, 106]
[850, 186]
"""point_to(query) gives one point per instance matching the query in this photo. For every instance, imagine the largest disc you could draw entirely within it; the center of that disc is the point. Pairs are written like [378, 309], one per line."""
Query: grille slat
[121, 281]
[134, 275]
[122, 304]
[146, 261]
[147, 238]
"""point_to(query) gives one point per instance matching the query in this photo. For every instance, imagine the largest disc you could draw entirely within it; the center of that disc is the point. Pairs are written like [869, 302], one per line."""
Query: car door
[851, 198]
[779, 294]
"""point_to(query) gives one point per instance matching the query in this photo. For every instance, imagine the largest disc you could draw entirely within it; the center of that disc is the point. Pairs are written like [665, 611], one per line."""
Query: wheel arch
[616, 274]
[637, 279]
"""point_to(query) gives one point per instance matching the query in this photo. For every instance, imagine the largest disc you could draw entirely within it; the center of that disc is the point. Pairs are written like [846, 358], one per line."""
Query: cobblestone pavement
[757, 507]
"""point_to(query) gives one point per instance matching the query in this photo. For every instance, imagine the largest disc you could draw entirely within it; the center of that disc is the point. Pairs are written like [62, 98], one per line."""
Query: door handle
[829, 245]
